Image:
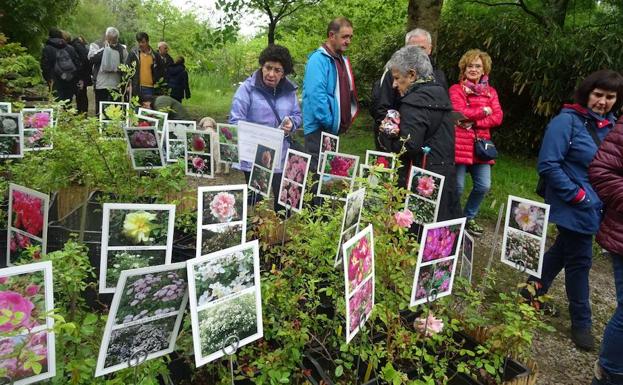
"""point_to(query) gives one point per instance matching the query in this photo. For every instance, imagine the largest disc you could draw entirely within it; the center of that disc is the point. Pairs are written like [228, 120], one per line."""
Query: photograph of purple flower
[525, 233]
[143, 139]
[144, 148]
[434, 281]
[441, 242]
[359, 253]
[36, 122]
[360, 307]
[527, 217]
[145, 316]
[26, 347]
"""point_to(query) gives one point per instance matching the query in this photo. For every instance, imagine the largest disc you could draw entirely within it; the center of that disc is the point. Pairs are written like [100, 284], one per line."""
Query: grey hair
[162, 43]
[411, 58]
[112, 32]
[418, 32]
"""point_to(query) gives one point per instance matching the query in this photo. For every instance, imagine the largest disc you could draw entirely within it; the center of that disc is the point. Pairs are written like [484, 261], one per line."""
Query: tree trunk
[271, 32]
[424, 14]
[559, 11]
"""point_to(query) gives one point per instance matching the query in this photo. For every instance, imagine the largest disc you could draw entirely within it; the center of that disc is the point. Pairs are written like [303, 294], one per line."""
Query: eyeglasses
[276, 70]
[477, 66]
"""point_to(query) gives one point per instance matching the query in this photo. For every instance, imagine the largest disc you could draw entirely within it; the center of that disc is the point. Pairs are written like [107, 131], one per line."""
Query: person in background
[473, 97]
[425, 121]
[105, 57]
[84, 74]
[269, 98]
[59, 66]
[149, 72]
[606, 175]
[178, 80]
[167, 104]
[384, 95]
[329, 94]
[569, 145]
[166, 59]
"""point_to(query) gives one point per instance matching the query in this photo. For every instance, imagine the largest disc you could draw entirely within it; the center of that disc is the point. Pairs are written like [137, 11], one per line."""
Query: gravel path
[560, 363]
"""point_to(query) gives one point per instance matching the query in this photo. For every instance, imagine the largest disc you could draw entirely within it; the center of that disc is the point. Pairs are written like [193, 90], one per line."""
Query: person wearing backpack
[569, 145]
[59, 66]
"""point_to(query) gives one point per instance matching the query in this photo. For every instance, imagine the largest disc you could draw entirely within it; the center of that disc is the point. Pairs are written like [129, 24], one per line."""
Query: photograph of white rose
[352, 210]
[528, 217]
[523, 251]
[237, 316]
[137, 341]
[224, 275]
[223, 206]
[152, 294]
[119, 260]
[219, 237]
[11, 136]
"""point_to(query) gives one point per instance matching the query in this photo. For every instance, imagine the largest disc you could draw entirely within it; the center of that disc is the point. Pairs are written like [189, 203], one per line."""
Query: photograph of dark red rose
[339, 165]
[380, 159]
[265, 156]
[143, 139]
[198, 142]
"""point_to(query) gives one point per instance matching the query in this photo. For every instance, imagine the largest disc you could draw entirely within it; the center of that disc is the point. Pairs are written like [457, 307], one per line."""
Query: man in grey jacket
[105, 57]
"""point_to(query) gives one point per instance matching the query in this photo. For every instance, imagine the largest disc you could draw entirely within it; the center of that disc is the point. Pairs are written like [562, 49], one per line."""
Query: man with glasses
[329, 95]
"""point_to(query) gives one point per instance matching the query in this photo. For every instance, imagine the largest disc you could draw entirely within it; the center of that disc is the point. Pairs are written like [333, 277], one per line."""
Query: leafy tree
[27, 21]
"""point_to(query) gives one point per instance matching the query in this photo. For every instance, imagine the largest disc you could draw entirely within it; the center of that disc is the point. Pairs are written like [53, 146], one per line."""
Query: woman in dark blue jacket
[569, 145]
[177, 80]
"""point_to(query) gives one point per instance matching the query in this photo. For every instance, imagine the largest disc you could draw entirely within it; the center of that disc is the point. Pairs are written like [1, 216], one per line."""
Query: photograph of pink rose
[26, 348]
[329, 142]
[425, 185]
[265, 157]
[199, 165]
[28, 212]
[359, 252]
[360, 307]
[297, 165]
[36, 123]
[527, 217]
[222, 206]
[434, 281]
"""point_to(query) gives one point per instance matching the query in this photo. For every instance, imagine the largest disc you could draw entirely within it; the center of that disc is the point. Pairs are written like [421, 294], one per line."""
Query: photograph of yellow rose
[133, 236]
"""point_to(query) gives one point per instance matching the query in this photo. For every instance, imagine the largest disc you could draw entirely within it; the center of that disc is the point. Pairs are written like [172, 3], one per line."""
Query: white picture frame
[425, 198]
[23, 235]
[159, 116]
[467, 257]
[190, 165]
[291, 179]
[372, 155]
[104, 121]
[206, 305]
[5, 108]
[24, 112]
[326, 178]
[135, 150]
[332, 144]
[112, 240]
[7, 133]
[227, 135]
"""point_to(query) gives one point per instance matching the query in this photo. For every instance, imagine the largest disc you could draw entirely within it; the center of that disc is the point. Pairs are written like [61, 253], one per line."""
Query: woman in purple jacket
[268, 98]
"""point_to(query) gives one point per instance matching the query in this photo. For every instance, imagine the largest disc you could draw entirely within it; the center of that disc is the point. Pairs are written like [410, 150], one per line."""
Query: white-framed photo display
[350, 220]
[36, 122]
[28, 302]
[114, 117]
[261, 177]
[145, 316]
[467, 257]
[293, 180]
[425, 194]
[198, 158]
[144, 148]
[328, 142]
[176, 138]
[27, 223]
[221, 217]
[11, 136]
[525, 233]
[337, 175]
[228, 142]
[358, 280]
[5, 108]
[225, 300]
[380, 159]
[134, 235]
[159, 116]
[437, 259]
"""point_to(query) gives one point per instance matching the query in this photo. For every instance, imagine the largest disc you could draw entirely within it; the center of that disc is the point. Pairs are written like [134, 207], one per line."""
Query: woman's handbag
[485, 149]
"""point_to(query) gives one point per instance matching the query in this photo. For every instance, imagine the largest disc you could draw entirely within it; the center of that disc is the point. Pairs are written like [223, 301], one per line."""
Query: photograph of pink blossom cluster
[525, 233]
[199, 160]
[425, 188]
[437, 258]
[293, 180]
[26, 348]
[28, 227]
[359, 279]
[262, 172]
[36, 122]
[222, 212]
[145, 315]
[337, 175]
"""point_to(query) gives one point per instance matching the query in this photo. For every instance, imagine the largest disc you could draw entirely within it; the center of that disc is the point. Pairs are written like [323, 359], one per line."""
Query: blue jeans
[481, 176]
[572, 251]
[611, 356]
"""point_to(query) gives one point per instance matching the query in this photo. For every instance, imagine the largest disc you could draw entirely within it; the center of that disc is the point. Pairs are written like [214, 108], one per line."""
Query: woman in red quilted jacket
[478, 102]
[606, 176]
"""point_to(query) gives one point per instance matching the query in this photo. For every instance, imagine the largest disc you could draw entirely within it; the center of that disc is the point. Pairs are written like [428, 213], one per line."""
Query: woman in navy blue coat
[569, 145]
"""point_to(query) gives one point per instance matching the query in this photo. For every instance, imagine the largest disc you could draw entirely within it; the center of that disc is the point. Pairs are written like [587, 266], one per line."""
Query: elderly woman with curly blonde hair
[478, 102]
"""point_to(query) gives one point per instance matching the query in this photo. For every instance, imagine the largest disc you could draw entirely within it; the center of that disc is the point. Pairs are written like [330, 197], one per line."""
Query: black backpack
[64, 67]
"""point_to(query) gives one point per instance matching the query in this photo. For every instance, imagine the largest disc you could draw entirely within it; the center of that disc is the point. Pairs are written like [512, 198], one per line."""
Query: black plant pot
[184, 247]
[180, 370]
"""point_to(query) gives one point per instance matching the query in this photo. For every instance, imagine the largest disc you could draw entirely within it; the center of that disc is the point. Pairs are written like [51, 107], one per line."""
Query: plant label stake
[136, 358]
[495, 236]
[425, 151]
[230, 347]
[362, 330]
